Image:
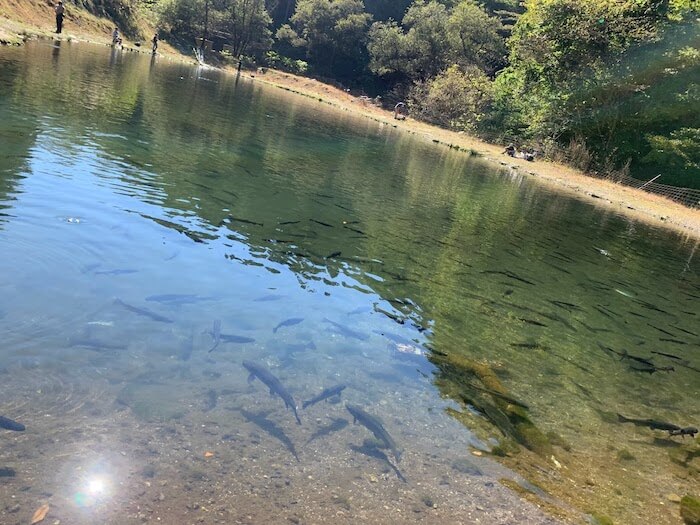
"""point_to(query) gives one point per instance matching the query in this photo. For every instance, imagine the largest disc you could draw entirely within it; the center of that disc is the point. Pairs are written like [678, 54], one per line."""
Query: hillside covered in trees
[604, 84]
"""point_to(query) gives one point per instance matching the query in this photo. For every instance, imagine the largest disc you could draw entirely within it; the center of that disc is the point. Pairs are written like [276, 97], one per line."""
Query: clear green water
[196, 197]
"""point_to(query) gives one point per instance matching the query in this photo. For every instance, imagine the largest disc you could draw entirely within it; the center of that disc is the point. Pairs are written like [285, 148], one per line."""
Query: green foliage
[432, 38]
[679, 151]
[244, 23]
[427, 41]
[604, 80]
[474, 37]
[183, 18]
[614, 73]
[456, 98]
[275, 60]
[332, 32]
[388, 49]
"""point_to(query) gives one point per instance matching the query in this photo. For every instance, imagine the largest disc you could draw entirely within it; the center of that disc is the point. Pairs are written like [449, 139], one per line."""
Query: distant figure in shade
[116, 39]
[510, 150]
[155, 43]
[400, 111]
[60, 12]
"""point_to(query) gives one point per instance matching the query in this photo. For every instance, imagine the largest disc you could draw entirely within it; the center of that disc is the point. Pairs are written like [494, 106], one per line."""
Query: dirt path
[37, 22]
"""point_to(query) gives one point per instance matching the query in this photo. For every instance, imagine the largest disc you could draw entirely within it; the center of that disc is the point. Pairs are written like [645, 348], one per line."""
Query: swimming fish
[687, 431]
[116, 272]
[288, 322]
[232, 338]
[347, 332]
[651, 423]
[175, 298]
[327, 393]
[9, 424]
[274, 384]
[271, 297]
[374, 425]
[322, 223]
[143, 312]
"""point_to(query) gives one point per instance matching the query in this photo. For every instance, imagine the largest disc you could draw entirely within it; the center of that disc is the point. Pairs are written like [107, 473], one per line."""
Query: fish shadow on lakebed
[372, 450]
[271, 428]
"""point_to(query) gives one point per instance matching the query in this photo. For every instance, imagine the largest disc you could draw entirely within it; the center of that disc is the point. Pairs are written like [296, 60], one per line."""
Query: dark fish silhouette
[670, 356]
[288, 322]
[143, 312]
[271, 297]
[393, 317]
[395, 337]
[374, 425]
[360, 310]
[650, 369]
[625, 355]
[9, 424]
[231, 338]
[328, 392]
[244, 221]
[650, 423]
[95, 344]
[531, 321]
[115, 272]
[509, 274]
[347, 332]
[175, 298]
[687, 431]
[322, 223]
[264, 375]
[354, 230]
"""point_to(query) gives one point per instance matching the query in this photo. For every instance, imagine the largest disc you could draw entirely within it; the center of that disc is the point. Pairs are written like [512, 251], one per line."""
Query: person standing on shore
[116, 39]
[155, 43]
[60, 11]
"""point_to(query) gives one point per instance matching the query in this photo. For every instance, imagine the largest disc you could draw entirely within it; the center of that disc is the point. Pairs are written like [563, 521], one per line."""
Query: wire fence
[578, 156]
[689, 197]
[575, 155]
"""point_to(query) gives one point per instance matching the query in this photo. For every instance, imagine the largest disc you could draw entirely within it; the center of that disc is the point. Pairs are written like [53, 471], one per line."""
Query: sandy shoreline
[633, 203]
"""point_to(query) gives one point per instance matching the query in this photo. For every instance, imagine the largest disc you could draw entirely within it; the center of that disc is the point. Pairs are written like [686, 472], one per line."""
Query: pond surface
[162, 224]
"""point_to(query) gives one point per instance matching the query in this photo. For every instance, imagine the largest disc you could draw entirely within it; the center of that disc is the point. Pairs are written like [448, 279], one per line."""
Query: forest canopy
[607, 84]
